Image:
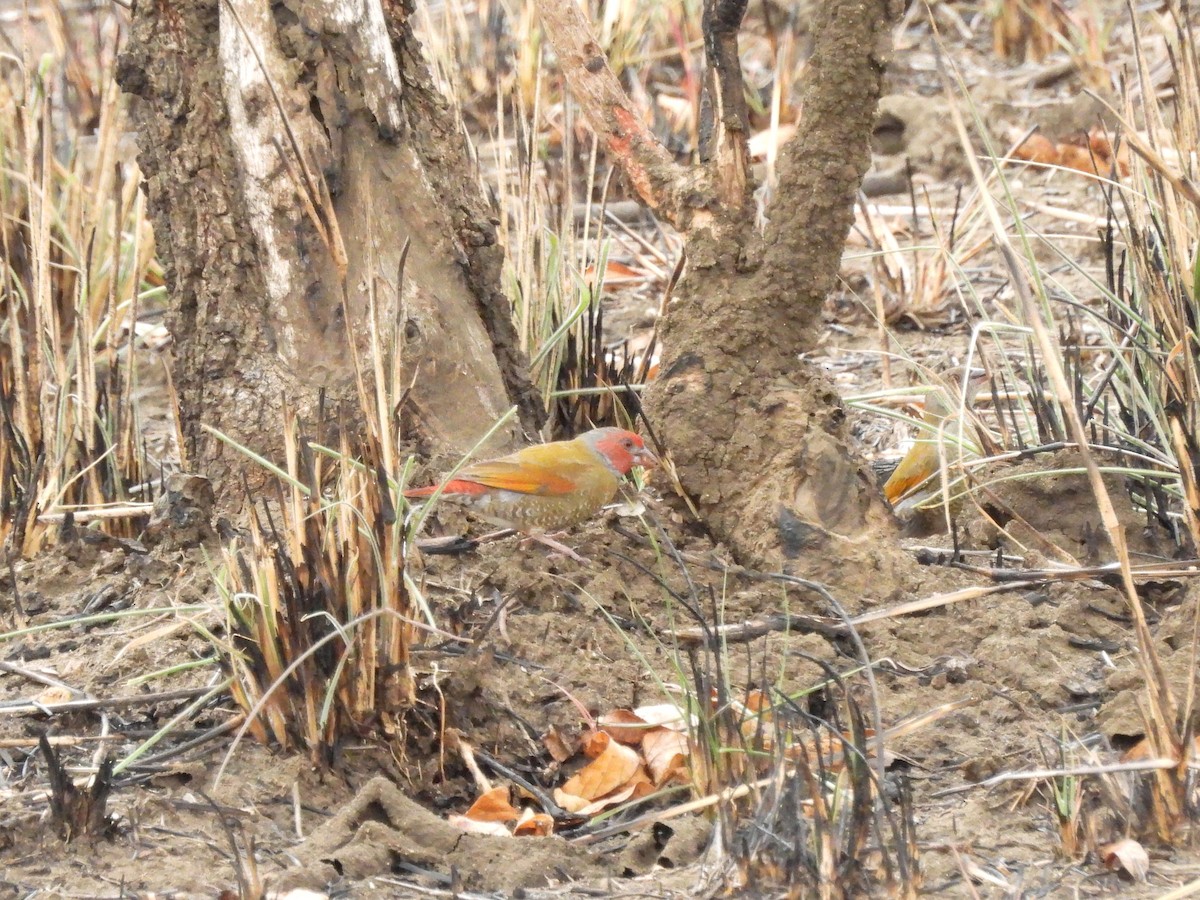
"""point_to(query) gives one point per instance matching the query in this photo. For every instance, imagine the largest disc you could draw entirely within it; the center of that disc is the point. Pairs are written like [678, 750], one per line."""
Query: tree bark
[758, 435]
[290, 150]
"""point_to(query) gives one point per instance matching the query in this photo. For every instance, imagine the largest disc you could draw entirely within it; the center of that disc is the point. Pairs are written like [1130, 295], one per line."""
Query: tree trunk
[290, 151]
[757, 435]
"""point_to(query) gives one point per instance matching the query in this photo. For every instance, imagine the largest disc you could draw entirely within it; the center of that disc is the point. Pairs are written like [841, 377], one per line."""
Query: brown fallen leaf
[1143, 750]
[665, 714]
[534, 824]
[1128, 855]
[570, 802]
[637, 787]
[53, 695]
[666, 754]
[559, 748]
[493, 806]
[624, 725]
[595, 743]
[1078, 158]
[1039, 149]
[612, 768]
[1102, 146]
[757, 701]
[1091, 153]
[471, 826]
[615, 273]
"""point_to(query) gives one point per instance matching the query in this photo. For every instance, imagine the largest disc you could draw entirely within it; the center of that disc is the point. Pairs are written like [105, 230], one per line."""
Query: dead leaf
[666, 754]
[612, 768]
[1093, 153]
[768, 139]
[757, 702]
[629, 509]
[569, 802]
[1143, 750]
[637, 787]
[534, 824]
[666, 714]
[1128, 855]
[1078, 158]
[471, 826]
[493, 806]
[986, 875]
[624, 725]
[615, 273]
[677, 109]
[595, 742]
[559, 748]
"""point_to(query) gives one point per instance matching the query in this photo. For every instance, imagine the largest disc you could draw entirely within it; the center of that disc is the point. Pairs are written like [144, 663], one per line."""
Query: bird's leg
[495, 535]
[533, 536]
[555, 545]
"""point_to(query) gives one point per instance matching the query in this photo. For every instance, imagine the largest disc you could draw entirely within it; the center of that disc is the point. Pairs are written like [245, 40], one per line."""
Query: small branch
[662, 184]
[1146, 765]
[751, 629]
[41, 678]
[92, 513]
[32, 706]
[1111, 571]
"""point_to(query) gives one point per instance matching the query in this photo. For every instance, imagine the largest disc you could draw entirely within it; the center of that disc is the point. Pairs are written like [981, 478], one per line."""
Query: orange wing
[918, 464]
[520, 477]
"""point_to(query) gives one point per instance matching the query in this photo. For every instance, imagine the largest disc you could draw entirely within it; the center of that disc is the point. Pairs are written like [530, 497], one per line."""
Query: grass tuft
[320, 609]
[76, 268]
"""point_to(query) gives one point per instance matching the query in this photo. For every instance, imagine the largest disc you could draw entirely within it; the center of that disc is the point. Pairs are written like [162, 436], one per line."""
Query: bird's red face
[623, 449]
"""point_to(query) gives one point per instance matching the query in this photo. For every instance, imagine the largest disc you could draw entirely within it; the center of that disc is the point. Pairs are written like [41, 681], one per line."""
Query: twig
[40, 678]
[60, 740]
[28, 706]
[660, 182]
[94, 513]
[1185, 569]
[545, 800]
[756, 628]
[937, 600]
[1143, 765]
[195, 742]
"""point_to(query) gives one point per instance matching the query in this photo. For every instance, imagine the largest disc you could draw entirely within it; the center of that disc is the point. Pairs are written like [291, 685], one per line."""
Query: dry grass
[321, 608]
[1146, 372]
[77, 264]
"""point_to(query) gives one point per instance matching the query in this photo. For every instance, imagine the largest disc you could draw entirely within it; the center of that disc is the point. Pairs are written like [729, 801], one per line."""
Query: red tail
[457, 486]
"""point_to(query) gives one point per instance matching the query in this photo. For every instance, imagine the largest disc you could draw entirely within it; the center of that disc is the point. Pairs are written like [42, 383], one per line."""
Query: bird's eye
[628, 444]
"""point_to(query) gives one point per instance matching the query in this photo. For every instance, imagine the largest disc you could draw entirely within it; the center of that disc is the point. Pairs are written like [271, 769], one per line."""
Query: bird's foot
[559, 548]
[495, 535]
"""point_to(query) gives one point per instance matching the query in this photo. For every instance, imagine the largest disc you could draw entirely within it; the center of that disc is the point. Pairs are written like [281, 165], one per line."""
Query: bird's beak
[644, 458]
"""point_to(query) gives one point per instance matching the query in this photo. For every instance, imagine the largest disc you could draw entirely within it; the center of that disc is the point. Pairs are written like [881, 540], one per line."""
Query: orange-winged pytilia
[548, 486]
[924, 458]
